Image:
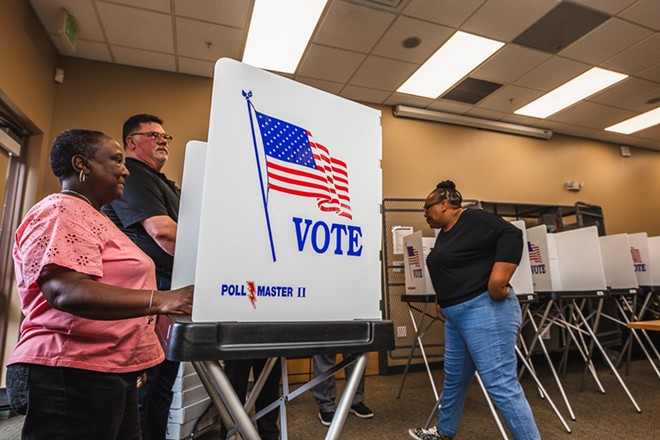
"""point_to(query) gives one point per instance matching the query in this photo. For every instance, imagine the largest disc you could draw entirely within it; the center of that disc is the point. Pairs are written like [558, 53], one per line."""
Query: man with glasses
[147, 213]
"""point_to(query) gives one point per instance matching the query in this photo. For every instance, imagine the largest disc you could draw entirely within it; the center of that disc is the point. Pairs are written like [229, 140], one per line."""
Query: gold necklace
[76, 194]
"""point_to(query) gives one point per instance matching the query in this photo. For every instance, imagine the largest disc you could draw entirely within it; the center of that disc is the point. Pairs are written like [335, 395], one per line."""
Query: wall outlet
[401, 331]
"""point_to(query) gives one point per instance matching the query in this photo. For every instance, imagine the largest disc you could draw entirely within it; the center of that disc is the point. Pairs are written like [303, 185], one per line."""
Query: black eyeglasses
[427, 207]
[154, 135]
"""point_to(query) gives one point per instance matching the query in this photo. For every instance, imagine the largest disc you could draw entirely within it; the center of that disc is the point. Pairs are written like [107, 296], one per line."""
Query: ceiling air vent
[561, 27]
[471, 90]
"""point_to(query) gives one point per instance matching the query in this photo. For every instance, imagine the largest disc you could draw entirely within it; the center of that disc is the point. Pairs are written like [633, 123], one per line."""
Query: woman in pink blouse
[89, 296]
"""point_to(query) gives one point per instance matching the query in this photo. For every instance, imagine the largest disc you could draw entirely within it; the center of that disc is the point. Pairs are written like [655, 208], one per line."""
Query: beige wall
[508, 168]
[101, 96]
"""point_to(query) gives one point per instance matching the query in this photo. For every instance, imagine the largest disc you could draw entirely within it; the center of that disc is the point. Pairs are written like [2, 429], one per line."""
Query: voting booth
[280, 231]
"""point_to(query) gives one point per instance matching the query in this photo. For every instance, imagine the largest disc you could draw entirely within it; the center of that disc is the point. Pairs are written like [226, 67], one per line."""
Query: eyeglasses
[429, 206]
[154, 135]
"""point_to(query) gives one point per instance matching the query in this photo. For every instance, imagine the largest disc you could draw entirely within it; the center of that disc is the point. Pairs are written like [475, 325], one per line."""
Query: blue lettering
[640, 267]
[354, 248]
[315, 237]
[301, 239]
[321, 235]
[337, 229]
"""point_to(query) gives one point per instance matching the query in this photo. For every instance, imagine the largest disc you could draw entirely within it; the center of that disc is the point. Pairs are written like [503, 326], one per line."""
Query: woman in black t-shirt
[471, 263]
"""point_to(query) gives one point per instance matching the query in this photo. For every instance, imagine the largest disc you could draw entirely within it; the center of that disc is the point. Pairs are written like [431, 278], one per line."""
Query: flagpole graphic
[264, 199]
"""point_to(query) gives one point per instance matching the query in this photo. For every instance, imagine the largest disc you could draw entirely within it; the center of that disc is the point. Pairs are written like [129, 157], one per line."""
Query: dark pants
[155, 397]
[238, 372]
[72, 404]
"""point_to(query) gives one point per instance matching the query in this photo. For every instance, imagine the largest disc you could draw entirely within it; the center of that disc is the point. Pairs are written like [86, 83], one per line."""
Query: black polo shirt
[147, 193]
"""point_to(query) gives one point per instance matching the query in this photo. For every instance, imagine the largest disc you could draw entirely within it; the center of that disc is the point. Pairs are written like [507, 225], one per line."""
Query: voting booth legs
[234, 414]
[421, 327]
[567, 310]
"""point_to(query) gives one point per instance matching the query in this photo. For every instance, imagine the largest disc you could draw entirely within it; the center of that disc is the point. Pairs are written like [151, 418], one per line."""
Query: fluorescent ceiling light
[455, 59]
[580, 87]
[640, 122]
[279, 32]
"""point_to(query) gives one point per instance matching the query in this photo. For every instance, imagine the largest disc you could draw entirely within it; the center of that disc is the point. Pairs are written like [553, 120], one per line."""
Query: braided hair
[447, 190]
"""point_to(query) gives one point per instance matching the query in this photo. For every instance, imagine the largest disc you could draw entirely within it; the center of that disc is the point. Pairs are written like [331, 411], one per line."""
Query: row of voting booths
[571, 284]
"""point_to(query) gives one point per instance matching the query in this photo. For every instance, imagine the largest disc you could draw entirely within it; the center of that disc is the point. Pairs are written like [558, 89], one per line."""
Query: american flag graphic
[534, 253]
[636, 255]
[299, 166]
[413, 256]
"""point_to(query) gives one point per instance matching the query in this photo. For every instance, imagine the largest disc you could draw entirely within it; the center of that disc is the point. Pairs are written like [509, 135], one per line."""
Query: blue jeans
[481, 334]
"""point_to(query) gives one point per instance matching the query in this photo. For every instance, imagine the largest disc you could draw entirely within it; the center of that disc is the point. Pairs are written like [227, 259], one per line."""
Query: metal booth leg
[346, 399]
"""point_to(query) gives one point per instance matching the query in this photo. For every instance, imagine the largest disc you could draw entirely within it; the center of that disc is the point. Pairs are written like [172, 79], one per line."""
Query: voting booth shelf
[274, 206]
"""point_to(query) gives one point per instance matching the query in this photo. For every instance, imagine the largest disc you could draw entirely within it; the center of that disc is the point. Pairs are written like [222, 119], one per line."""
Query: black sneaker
[326, 417]
[361, 410]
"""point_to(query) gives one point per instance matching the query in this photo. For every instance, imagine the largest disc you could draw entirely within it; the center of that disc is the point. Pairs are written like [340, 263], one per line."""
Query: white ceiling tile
[643, 103]
[638, 57]
[82, 11]
[207, 41]
[227, 12]
[143, 58]
[403, 99]
[592, 115]
[327, 86]
[447, 12]
[652, 73]
[364, 94]
[152, 5]
[611, 7]
[91, 50]
[509, 99]
[485, 114]
[352, 27]
[329, 64]
[504, 20]
[382, 73]
[573, 130]
[444, 105]
[509, 64]
[626, 93]
[551, 74]
[605, 41]
[196, 67]
[137, 28]
[432, 37]
[644, 12]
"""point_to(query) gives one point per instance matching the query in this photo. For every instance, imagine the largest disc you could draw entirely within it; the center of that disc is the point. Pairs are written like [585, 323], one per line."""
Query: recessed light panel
[461, 54]
[640, 122]
[577, 89]
[279, 33]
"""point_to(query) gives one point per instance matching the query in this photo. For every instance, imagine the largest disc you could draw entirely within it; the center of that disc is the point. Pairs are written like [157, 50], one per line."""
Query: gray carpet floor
[598, 416]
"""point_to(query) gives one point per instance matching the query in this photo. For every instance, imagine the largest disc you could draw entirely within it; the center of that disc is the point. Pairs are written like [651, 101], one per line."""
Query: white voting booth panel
[565, 261]
[522, 281]
[415, 250]
[541, 265]
[579, 259]
[288, 221]
[654, 259]
[639, 250]
[618, 262]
